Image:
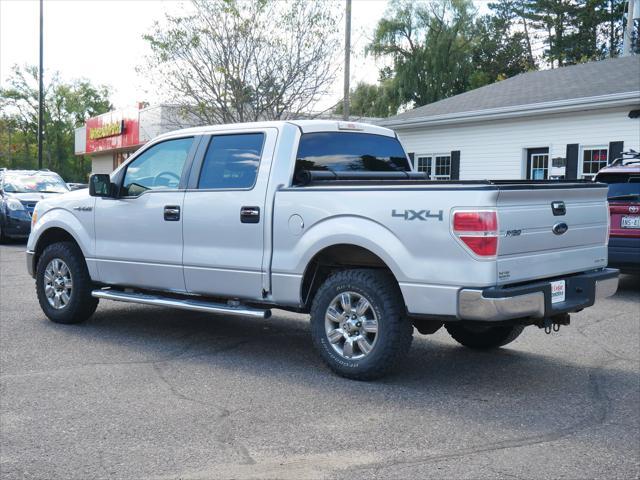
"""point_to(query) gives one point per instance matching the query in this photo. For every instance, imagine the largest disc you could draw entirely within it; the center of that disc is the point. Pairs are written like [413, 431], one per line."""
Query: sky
[102, 41]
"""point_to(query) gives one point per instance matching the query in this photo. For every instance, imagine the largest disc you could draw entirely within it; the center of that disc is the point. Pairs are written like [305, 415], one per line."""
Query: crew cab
[326, 218]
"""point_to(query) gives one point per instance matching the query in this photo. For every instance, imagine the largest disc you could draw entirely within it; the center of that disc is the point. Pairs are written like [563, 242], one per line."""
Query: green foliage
[430, 47]
[368, 100]
[67, 106]
[499, 51]
[442, 48]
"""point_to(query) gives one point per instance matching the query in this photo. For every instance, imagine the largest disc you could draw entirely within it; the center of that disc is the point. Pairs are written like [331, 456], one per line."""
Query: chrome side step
[185, 304]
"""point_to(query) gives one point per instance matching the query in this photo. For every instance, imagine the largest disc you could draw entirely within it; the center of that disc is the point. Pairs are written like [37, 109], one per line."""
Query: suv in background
[623, 178]
[20, 190]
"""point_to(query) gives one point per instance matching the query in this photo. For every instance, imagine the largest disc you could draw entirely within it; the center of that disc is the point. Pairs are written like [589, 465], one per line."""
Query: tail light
[478, 231]
[608, 224]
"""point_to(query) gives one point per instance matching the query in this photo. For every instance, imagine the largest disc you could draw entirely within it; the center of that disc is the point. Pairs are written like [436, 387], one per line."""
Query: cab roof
[306, 126]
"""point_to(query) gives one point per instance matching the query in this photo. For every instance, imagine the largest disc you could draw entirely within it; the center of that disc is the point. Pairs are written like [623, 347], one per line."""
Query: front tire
[483, 337]
[359, 324]
[63, 284]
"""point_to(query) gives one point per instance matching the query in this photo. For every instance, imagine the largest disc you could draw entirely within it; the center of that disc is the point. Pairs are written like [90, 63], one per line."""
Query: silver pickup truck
[326, 218]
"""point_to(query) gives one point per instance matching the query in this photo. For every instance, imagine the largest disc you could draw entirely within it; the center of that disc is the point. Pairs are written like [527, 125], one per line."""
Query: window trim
[432, 165]
[595, 146]
[198, 162]
[546, 169]
[120, 173]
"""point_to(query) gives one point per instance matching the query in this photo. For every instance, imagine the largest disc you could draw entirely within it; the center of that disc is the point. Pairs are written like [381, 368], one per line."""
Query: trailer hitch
[553, 323]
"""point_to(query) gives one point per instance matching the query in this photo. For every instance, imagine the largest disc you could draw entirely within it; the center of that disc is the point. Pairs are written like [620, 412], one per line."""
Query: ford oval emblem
[560, 228]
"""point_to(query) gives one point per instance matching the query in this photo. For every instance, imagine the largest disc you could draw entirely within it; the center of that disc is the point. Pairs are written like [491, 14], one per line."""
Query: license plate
[632, 221]
[557, 291]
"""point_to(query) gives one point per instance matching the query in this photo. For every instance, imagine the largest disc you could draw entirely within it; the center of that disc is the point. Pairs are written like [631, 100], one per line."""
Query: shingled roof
[593, 80]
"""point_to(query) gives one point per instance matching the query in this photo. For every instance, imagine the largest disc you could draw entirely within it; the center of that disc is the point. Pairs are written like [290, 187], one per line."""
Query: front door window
[159, 167]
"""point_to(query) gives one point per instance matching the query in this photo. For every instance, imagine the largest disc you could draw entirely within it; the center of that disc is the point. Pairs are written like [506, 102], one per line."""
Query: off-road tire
[81, 304]
[395, 332]
[484, 337]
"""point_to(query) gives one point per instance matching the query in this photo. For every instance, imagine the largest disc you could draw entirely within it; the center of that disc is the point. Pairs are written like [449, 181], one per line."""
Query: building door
[538, 163]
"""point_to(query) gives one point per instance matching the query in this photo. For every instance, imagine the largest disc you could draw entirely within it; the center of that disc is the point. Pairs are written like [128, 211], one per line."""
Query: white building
[563, 123]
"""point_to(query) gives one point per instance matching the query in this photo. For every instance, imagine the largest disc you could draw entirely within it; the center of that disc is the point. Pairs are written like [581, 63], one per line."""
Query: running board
[185, 304]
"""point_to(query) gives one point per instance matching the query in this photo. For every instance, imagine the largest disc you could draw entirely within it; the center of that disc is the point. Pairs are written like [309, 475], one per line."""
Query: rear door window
[350, 152]
[231, 161]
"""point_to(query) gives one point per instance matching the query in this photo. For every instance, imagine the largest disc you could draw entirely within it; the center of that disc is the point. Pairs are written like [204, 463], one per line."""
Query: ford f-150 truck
[326, 218]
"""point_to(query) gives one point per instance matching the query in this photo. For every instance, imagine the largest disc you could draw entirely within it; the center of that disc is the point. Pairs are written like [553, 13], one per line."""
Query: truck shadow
[205, 358]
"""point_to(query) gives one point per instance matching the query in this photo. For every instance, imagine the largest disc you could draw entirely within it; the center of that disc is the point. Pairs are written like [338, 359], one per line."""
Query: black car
[20, 190]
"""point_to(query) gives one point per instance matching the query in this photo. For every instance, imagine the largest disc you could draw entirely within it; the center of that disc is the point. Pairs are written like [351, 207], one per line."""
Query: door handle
[250, 214]
[172, 213]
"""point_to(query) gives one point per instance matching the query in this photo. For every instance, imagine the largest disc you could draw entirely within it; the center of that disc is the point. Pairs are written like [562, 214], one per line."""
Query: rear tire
[63, 284]
[359, 324]
[484, 337]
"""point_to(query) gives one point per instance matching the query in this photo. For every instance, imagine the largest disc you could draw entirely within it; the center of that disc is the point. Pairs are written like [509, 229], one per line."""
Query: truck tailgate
[540, 241]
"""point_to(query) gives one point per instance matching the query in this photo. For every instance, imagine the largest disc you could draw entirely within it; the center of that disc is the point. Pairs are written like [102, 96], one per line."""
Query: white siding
[497, 149]
[102, 163]
[80, 140]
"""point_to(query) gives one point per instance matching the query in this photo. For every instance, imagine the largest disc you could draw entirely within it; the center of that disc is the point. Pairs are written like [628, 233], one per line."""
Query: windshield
[30, 183]
[621, 185]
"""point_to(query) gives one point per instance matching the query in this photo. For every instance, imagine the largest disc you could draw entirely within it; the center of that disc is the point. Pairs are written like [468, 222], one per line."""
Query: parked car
[325, 218]
[623, 179]
[20, 190]
[77, 186]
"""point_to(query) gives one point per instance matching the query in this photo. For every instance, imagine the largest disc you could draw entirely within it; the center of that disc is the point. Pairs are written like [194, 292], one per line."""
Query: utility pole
[628, 31]
[347, 59]
[40, 93]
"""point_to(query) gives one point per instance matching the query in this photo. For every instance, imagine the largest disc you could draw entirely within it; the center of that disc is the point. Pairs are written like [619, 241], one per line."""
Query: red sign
[113, 131]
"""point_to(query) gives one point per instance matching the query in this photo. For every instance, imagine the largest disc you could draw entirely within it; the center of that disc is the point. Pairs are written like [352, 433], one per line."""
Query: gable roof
[587, 83]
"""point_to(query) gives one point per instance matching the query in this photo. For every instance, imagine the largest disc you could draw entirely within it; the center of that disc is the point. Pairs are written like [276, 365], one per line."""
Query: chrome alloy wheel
[351, 325]
[58, 284]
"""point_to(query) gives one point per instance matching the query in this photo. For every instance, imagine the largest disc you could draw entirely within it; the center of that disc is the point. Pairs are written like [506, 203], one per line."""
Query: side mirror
[100, 186]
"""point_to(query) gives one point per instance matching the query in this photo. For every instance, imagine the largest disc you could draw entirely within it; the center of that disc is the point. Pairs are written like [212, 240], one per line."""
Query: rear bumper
[533, 300]
[624, 253]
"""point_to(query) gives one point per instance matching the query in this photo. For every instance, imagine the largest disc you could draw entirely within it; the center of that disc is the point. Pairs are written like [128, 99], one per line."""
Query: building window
[442, 170]
[423, 164]
[436, 166]
[539, 166]
[593, 159]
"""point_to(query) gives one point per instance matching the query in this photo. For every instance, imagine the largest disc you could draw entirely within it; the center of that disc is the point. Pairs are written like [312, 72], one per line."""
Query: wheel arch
[49, 236]
[336, 257]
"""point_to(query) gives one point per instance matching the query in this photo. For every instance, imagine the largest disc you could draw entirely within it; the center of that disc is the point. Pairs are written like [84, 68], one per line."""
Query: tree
[368, 100]
[500, 51]
[429, 46]
[235, 61]
[571, 31]
[67, 106]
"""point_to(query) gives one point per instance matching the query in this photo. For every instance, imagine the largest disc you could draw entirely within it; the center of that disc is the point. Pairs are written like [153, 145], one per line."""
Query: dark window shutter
[615, 150]
[411, 155]
[571, 170]
[455, 165]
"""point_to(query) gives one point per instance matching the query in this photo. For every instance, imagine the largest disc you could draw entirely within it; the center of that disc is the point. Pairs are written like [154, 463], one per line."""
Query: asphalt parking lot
[145, 392]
